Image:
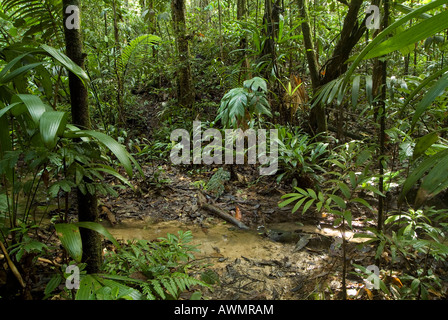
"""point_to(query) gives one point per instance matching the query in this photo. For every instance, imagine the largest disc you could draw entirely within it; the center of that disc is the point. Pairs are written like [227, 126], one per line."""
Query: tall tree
[185, 88]
[87, 203]
[335, 66]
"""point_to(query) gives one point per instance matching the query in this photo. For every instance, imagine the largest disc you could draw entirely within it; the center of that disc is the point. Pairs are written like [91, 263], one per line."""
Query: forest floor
[281, 256]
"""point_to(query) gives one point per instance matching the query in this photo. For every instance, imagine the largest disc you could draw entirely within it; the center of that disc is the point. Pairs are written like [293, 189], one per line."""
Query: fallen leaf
[396, 281]
[238, 214]
[369, 293]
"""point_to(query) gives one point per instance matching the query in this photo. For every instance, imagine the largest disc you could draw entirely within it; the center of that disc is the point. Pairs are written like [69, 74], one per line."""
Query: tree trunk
[318, 120]
[245, 65]
[120, 85]
[87, 204]
[379, 90]
[269, 55]
[185, 88]
[351, 32]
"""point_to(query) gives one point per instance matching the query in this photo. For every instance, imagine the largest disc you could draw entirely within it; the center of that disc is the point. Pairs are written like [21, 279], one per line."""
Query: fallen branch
[219, 212]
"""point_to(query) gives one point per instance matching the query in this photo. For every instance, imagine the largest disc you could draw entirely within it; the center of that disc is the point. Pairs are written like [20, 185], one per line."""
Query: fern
[216, 182]
[132, 49]
[164, 263]
[39, 16]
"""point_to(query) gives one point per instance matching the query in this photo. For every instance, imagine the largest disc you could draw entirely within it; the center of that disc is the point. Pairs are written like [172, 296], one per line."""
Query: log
[219, 212]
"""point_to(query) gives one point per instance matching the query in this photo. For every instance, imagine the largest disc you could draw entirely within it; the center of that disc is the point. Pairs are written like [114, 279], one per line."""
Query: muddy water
[249, 266]
[221, 238]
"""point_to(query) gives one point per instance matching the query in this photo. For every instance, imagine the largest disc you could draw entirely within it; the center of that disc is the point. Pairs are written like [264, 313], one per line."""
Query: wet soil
[281, 256]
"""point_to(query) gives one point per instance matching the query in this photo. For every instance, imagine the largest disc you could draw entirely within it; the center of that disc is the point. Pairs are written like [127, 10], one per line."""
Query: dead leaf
[369, 293]
[238, 214]
[396, 281]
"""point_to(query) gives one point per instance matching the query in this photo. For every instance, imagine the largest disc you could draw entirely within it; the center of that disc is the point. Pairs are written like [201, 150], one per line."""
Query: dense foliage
[369, 130]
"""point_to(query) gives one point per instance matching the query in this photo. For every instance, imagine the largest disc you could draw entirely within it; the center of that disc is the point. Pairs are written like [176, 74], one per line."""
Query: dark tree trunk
[351, 32]
[87, 204]
[185, 88]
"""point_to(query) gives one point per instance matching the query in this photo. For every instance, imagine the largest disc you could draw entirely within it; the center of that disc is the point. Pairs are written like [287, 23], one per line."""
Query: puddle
[223, 239]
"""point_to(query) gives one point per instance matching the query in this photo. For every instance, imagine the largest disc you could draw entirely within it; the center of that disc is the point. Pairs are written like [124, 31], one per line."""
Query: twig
[202, 201]
[12, 266]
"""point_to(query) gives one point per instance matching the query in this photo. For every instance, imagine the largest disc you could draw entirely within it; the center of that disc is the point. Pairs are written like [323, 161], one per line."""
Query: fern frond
[39, 16]
[132, 49]
[216, 182]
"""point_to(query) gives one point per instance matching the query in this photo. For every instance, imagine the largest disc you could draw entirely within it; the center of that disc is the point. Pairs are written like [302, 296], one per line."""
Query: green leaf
[353, 180]
[17, 72]
[67, 62]
[433, 183]
[307, 206]
[256, 83]
[418, 173]
[424, 143]
[52, 125]
[112, 172]
[197, 295]
[344, 189]
[54, 282]
[363, 202]
[71, 239]
[424, 83]
[429, 98]
[116, 148]
[130, 50]
[298, 204]
[87, 287]
[100, 229]
[347, 214]
[33, 104]
[339, 201]
[355, 91]
[411, 35]
[312, 193]
[292, 199]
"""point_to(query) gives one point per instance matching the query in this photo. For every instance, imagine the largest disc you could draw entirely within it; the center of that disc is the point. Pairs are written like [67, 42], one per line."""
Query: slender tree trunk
[117, 49]
[318, 120]
[380, 90]
[220, 30]
[185, 88]
[245, 65]
[87, 204]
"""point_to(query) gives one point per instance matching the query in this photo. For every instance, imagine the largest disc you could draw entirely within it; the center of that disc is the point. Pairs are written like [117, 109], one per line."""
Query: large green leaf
[433, 183]
[127, 160]
[421, 86]
[52, 125]
[17, 72]
[412, 35]
[419, 172]
[255, 84]
[67, 62]
[385, 33]
[71, 239]
[88, 285]
[33, 104]
[98, 228]
[429, 98]
[424, 143]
